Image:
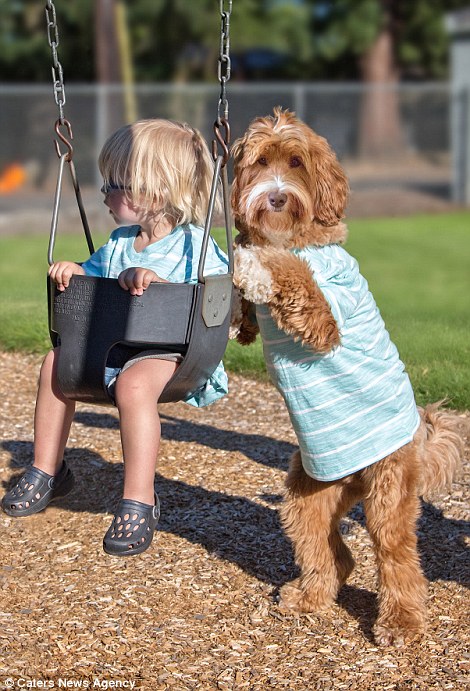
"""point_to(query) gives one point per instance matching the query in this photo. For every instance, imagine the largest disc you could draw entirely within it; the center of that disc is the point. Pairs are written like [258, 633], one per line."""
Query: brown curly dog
[350, 400]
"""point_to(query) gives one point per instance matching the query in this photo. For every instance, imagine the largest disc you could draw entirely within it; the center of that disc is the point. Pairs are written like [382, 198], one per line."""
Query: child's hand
[62, 272]
[138, 279]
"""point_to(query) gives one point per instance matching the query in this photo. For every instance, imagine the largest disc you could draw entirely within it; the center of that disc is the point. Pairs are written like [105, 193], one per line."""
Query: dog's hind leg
[392, 508]
[310, 515]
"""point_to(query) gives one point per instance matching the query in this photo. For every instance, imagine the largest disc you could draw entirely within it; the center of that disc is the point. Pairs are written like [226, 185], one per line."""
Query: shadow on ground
[235, 528]
[253, 446]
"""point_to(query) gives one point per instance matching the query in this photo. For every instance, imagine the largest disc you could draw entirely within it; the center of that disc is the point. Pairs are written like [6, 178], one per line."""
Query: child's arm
[62, 272]
[137, 279]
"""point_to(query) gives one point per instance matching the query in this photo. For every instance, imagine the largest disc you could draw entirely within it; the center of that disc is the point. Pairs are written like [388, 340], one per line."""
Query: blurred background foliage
[176, 40]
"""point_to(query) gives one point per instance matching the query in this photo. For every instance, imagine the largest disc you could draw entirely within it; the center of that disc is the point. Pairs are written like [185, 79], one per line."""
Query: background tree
[24, 52]
[382, 42]
[177, 39]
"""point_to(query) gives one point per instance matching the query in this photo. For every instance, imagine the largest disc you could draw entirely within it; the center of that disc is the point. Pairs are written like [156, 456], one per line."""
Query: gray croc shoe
[35, 490]
[132, 529]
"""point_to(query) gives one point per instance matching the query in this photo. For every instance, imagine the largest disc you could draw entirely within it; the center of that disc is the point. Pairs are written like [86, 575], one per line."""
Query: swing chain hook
[223, 73]
[64, 123]
[222, 140]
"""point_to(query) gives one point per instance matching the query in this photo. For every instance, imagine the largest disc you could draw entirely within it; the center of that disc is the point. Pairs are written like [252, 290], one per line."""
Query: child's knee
[143, 382]
[128, 390]
[47, 371]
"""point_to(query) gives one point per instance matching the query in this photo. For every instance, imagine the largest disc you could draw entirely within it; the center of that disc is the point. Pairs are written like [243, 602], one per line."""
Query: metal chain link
[57, 71]
[223, 72]
[224, 65]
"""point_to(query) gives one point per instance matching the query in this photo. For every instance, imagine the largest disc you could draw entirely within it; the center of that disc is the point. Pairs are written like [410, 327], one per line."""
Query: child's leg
[52, 419]
[48, 478]
[137, 392]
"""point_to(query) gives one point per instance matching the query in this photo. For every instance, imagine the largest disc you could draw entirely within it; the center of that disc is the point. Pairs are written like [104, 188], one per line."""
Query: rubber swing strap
[220, 173]
[66, 157]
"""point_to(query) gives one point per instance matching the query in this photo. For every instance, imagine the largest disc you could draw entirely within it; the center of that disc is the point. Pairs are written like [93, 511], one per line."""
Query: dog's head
[289, 189]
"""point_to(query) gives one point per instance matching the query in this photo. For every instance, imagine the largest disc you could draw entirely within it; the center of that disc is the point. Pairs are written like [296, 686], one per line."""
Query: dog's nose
[277, 199]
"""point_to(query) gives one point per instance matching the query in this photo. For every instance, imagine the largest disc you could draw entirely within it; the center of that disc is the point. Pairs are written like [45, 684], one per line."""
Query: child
[157, 179]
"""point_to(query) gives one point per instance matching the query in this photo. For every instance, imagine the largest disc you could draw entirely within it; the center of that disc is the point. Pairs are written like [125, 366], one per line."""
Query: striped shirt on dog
[353, 406]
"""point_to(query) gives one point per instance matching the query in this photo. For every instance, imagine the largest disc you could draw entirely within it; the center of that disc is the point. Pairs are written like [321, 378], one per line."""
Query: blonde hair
[163, 165]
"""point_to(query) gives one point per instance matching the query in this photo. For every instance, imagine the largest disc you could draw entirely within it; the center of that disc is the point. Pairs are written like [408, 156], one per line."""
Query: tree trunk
[108, 67]
[106, 43]
[380, 130]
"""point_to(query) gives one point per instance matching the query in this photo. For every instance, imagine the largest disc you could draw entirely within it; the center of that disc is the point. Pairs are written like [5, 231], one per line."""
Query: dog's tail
[443, 449]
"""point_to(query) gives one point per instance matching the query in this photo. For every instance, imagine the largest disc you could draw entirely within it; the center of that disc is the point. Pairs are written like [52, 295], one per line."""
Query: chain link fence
[418, 161]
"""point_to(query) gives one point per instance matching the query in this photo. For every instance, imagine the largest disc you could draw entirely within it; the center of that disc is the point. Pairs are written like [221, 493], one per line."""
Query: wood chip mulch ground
[198, 610]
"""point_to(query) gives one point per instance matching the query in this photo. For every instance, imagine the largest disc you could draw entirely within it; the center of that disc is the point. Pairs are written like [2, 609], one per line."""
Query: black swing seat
[94, 314]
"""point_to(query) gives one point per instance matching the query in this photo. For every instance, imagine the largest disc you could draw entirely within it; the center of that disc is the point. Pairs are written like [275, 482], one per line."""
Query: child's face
[120, 207]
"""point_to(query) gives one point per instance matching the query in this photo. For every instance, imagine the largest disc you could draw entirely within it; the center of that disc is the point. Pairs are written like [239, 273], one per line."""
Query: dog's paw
[233, 332]
[384, 636]
[251, 276]
[395, 635]
[294, 598]
[290, 596]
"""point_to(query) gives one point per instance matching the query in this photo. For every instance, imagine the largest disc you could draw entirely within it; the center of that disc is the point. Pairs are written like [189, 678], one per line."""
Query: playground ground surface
[199, 609]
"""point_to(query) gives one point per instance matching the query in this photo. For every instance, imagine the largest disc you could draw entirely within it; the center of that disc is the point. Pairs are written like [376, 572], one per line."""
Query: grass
[23, 270]
[417, 269]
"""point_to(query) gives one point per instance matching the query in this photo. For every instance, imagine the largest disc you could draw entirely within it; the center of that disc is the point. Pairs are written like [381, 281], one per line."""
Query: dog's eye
[263, 161]
[295, 162]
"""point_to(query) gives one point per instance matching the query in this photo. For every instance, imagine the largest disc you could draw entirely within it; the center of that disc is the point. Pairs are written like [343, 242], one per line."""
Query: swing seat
[94, 314]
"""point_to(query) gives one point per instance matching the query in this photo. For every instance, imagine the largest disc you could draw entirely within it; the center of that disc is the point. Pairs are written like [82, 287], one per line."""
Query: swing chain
[224, 64]
[57, 71]
[223, 74]
[62, 123]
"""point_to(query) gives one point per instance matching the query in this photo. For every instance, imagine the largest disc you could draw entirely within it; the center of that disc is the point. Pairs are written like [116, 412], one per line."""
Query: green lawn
[417, 268]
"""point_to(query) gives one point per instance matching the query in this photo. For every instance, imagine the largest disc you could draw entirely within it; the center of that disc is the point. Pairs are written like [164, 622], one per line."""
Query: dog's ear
[237, 151]
[331, 186]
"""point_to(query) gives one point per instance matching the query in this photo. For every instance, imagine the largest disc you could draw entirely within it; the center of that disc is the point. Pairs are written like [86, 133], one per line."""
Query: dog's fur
[290, 191]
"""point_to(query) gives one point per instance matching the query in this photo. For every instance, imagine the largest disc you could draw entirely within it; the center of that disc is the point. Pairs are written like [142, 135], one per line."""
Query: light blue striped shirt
[355, 405]
[174, 258]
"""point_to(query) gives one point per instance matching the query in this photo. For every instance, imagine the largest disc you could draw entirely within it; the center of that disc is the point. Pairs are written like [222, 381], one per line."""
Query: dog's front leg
[297, 304]
[251, 276]
[243, 326]
[284, 282]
